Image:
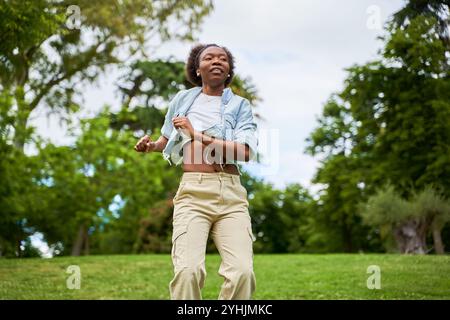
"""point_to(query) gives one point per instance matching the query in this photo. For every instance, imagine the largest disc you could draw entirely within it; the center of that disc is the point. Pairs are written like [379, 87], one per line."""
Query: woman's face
[213, 66]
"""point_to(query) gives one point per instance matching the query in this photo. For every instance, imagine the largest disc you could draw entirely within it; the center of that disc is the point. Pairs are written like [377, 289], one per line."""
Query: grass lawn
[289, 276]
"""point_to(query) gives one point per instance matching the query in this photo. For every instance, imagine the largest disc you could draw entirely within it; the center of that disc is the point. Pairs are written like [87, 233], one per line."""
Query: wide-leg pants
[213, 203]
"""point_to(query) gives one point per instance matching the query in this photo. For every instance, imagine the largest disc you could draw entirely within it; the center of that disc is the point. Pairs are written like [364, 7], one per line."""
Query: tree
[390, 123]
[409, 221]
[433, 205]
[19, 195]
[94, 183]
[295, 211]
[403, 105]
[44, 63]
[278, 216]
[438, 9]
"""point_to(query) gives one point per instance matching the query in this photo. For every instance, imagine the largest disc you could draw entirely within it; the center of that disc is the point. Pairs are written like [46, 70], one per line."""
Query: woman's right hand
[145, 144]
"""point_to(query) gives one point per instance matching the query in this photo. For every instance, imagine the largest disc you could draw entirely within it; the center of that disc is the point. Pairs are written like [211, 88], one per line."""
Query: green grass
[290, 276]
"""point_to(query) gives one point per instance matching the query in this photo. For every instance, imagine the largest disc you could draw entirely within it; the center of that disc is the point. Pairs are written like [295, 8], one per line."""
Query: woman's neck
[213, 91]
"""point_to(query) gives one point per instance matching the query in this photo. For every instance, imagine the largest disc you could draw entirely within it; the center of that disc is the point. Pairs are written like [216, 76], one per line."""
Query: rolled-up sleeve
[167, 128]
[245, 132]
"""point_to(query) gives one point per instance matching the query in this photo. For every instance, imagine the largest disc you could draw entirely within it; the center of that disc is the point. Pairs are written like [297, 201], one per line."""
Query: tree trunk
[437, 239]
[20, 125]
[19, 251]
[86, 243]
[78, 245]
[347, 237]
[411, 237]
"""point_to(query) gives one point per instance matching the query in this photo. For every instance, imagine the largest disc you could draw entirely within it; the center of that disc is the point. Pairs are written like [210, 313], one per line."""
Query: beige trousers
[217, 203]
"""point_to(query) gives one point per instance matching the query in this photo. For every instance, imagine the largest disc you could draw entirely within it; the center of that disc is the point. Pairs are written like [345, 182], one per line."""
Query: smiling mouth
[216, 70]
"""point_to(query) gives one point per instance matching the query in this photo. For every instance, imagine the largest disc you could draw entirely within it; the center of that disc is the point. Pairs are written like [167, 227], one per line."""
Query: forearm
[160, 144]
[228, 149]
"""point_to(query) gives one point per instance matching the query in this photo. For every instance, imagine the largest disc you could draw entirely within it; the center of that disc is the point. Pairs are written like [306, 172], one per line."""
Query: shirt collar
[227, 94]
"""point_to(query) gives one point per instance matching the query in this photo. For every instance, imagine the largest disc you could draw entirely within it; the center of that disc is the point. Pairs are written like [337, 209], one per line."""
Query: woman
[207, 129]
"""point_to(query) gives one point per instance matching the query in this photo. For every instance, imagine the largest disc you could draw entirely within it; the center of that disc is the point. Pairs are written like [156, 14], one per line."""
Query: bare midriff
[201, 164]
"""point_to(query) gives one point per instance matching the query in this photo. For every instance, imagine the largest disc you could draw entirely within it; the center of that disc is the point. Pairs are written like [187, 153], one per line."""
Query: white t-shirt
[204, 112]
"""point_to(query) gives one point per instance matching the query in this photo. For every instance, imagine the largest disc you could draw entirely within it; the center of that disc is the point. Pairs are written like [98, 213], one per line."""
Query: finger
[142, 146]
[178, 123]
[143, 139]
[140, 142]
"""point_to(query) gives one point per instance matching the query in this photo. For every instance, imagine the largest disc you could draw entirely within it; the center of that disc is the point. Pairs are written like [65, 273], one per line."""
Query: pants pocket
[178, 246]
[253, 239]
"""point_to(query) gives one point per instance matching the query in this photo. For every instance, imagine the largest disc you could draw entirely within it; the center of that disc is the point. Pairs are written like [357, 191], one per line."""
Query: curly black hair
[193, 64]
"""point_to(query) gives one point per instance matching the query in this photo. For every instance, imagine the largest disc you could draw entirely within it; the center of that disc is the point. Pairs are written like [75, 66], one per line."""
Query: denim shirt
[236, 124]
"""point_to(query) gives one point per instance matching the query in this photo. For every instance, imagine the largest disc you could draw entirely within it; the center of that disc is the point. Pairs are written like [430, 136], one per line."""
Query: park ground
[278, 276]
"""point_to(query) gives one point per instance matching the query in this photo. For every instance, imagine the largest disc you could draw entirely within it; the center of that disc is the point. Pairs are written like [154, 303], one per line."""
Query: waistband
[210, 176]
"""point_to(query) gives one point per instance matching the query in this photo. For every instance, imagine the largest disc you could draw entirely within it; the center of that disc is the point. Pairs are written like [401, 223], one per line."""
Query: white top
[204, 112]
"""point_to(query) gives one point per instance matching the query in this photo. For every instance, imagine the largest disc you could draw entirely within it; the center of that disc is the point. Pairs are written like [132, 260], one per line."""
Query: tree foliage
[409, 221]
[390, 123]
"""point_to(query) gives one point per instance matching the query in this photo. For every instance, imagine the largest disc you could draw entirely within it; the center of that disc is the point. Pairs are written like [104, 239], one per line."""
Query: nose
[217, 61]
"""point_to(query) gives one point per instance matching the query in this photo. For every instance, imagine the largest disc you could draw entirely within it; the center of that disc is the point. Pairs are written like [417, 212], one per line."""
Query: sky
[294, 51]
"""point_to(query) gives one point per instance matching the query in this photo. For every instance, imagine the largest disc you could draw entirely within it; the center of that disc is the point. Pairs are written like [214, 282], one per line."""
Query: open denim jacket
[236, 124]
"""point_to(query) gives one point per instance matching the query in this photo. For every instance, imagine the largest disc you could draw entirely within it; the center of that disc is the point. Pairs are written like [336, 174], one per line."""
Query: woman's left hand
[184, 124]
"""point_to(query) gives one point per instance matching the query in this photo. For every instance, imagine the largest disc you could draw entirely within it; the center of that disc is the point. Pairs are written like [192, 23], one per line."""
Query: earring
[229, 75]
[198, 74]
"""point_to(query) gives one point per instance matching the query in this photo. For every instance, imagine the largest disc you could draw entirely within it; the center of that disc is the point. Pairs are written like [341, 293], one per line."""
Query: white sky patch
[117, 204]
[37, 240]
